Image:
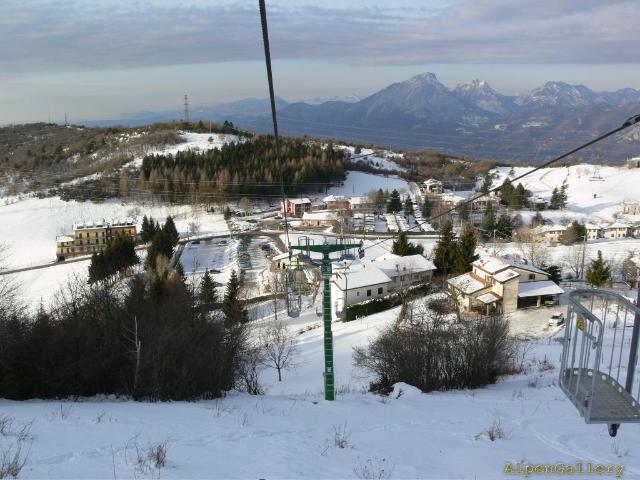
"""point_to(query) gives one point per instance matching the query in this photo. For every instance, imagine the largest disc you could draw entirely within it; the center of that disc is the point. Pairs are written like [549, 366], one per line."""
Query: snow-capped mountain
[480, 94]
[557, 94]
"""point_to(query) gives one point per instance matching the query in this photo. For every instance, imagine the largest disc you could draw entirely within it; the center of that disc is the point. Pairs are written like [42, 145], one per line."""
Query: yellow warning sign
[580, 323]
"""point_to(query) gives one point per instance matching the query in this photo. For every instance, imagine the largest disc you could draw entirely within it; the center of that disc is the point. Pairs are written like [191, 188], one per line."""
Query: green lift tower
[326, 249]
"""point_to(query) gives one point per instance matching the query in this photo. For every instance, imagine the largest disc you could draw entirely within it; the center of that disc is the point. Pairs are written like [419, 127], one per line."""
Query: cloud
[53, 36]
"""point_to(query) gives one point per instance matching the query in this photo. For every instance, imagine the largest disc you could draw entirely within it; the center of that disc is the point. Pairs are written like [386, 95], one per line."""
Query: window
[379, 290]
[369, 293]
[532, 276]
[357, 294]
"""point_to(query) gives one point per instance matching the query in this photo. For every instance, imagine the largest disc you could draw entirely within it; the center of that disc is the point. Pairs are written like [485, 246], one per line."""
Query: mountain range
[471, 119]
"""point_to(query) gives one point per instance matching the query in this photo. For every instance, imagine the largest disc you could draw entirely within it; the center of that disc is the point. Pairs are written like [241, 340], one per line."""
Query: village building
[320, 218]
[593, 231]
[537, 203]
[501, 285]
[616, 230]
[361, 204]
[631, 208]
[550, 233]
[377, 278]
[336, 202]
[92, 237]
[295, 207]
[431, 186]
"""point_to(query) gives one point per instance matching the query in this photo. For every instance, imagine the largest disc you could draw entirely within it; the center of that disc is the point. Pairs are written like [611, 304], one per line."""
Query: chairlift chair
[599, 355]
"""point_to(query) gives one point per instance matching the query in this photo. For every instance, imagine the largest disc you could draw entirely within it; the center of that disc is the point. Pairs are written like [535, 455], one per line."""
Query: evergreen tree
[445, 251]
[554, 271]
[426, 208]
[207, 298]
[562, 195]
[403, 247]
[408, 206]
[172, 232]
[234, 312]
[180, 271]
[395, 204]
[145, 230]
[97, 268]
[504, 227]
[488, 222]
[465, 249]
[599, 271]
[487, 181]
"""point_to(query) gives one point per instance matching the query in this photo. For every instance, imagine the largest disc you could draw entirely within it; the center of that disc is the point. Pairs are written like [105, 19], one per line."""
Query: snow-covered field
[595, 193]
[384, 159]
[30, 225]
[291, 431]
[361, 183]
[197, 142]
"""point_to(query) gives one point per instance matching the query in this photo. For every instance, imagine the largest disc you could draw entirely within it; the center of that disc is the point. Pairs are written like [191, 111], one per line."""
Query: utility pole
[584, 249]
[186, 108]
[326, 249]
[633, 352]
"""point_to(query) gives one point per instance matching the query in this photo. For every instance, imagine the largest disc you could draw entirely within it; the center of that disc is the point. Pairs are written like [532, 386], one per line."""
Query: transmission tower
[186, 109]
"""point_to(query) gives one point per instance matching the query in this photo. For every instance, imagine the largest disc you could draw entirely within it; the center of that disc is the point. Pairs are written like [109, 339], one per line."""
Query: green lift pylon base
[326, 249]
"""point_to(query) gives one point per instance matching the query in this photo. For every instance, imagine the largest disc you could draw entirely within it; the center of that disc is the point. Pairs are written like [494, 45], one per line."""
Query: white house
[593, 231]
[320, 218]
[377, 278]
[616, 230]
[551, 233]
[502, 285]
[631, 208]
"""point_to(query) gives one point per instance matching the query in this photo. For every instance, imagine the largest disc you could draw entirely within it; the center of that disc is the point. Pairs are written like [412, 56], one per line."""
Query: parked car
[556, 320]
[195, 242]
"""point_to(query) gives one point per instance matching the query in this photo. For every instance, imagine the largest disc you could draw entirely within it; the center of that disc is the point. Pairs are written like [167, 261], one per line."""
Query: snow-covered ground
[383, 159]
[595, 193]
[361, 183]
[30, 225]
[291, 431]
[197, 142]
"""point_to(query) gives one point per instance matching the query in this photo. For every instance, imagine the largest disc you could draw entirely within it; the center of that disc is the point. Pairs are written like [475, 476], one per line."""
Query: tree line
[248, 167]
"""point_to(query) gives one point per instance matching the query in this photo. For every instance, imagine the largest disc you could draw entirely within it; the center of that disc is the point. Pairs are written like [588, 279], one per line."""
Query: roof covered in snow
[467, 283]
[365, 277]
[320, 216]
[491, 264]
[506, 275]
[104, 224]
[335, 198]
[535, 289]
[488, 297]
[298, 201]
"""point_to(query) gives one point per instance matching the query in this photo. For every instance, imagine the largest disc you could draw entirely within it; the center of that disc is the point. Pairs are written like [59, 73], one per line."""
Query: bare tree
[245, 205]
[8, 287]
[279, 347]
[532, 247]
[575, 257]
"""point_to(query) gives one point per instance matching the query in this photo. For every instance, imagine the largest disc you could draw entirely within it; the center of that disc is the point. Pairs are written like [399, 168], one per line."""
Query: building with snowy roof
[377, 278]
[295, 207]
[616, 230]
[502, 285]
[93, 237]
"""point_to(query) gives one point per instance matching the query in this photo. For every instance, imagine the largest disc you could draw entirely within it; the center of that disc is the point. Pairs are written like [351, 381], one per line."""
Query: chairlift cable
[267, 57]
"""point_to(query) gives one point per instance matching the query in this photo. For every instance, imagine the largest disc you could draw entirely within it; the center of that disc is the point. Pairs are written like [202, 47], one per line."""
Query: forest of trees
[242, 168]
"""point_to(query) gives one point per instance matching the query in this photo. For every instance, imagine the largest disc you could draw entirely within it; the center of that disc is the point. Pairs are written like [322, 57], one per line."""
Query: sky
[98, 59]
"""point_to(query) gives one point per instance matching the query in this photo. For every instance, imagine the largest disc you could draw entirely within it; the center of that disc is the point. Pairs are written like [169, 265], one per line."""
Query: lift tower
[326, 249]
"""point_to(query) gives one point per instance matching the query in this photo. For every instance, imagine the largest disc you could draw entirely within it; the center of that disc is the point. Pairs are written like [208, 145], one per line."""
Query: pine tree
[537, 220]
[426, 209]
[172, 232]
[145, 230]
[504, 226]
[234, 312]
[487, 181]
[395, 204]
[180, 271]
[207, 298]
[403, 247]
[554, 271]
[408, 206]
[562, 195]
[488, 222]
[465, 249]
[599, 271]
[445, 251]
